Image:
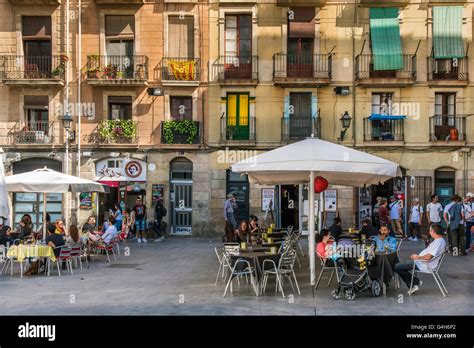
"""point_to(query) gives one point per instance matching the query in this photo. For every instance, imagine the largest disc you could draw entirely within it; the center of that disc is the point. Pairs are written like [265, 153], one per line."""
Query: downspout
[354, 87]
[79, 81]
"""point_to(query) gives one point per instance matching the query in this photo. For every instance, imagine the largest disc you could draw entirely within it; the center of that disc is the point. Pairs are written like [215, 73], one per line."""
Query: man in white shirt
[422, 260]
[469, 216]
[433, 210]
[395, 216]
[416, 213]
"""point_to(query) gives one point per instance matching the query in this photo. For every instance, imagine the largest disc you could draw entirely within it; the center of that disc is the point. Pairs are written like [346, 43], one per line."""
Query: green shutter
[385, 39]
[447, 32]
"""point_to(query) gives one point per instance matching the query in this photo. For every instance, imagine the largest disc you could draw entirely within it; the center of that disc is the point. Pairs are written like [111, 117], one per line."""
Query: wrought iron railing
[364, 68]
[180, 69]
[180, 132]
[448, 69]
[117, 67]
[296, 128]
[302, 65]
[238, 129]
[237, 68]
[14, 67]
[447, 128]
[35, 132]
[383, 130]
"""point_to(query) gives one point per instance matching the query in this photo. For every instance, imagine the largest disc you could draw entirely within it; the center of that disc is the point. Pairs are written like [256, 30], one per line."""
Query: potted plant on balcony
[117, 131]
[59, 70]
[110, 71]
[93, 73]
[230, 130]
[183, 128]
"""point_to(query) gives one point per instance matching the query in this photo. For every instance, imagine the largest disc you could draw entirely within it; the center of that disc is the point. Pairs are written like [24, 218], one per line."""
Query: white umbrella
[50, 181]
[4, 208]
[300, 162]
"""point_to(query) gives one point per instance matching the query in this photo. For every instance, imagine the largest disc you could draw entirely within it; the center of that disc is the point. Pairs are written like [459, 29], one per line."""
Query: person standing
[469, 216]
[396, 216]
[384, 215]
[140, 220]
[229, 215]
[454, 214]
[160, 212]
[416, 213]
[375, 213]
[118, 216]
[433, 210]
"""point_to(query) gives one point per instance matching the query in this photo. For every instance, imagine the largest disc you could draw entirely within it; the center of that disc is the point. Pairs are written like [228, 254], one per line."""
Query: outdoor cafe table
[382, 268]
[256, 259]
[21, 252]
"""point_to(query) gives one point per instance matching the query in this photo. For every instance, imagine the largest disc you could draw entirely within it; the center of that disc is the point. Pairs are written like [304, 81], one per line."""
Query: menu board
[85, 199]
[365, 204]
[268, 199]
[330, 200]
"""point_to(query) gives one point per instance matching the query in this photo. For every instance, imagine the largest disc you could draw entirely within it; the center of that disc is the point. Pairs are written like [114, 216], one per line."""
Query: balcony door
[119, 47]
[181, 37]
[382, 105]
[181, 108]
[446, 69]
[238, 116]
[445, 114]
[238, 47]
[300, 118]
[301, 33]
[36, 33]
[120, 108]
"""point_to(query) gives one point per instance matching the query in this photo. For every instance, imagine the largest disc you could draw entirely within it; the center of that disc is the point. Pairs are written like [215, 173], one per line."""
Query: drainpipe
[354, 87]
[79, 96]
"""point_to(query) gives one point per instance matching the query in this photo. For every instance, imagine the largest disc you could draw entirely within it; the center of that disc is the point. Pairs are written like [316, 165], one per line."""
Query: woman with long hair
[323, 243]
[74, 239]
[242, 234]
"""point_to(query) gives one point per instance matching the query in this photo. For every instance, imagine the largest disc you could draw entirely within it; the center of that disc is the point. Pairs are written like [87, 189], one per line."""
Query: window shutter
[36, 27]
[302, 24]
[119, 27]
[181, 37]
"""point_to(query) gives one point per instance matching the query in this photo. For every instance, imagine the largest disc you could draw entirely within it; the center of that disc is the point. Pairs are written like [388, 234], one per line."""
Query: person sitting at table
[54, 239]
[59, 224]
[74, 240]
[110, 233]
[254, 228]
[324, 244]
[242, 234]
[336, 229]
[89, 226]
[422, 260]
[383, 242]
[368, 230]
[23, 230]
[5, 235]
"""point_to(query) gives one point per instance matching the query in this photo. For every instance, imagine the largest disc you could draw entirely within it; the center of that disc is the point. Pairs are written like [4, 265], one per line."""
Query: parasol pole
[311, 239]
[44, 215]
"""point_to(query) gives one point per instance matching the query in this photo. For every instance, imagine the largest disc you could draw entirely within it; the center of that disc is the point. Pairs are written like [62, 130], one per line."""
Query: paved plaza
[176, 277]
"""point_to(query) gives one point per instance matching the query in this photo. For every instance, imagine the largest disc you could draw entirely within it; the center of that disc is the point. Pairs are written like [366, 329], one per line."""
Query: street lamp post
[67, 123]
[346, 123]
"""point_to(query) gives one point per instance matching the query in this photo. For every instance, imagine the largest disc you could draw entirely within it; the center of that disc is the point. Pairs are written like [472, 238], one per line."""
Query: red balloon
[320, 184]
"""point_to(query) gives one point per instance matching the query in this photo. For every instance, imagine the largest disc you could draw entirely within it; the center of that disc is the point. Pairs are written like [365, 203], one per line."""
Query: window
[36, 33]
[114, 163]
[181, 37]
[36, 113]
[120, 108]
[445, 104]
[445, 115]
[181, 108]
[238, 35]
[382, 103]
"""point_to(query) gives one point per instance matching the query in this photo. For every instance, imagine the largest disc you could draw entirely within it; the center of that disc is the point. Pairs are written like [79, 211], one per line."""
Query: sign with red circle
[133, 169]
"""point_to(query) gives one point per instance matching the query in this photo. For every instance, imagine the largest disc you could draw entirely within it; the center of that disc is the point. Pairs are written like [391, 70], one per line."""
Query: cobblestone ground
[176, 277]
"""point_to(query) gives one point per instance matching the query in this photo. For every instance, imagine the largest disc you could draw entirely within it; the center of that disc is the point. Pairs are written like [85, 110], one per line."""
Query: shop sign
[121, 169]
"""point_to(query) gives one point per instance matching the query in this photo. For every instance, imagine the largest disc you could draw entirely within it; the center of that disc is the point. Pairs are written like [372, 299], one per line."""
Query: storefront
[126, 178]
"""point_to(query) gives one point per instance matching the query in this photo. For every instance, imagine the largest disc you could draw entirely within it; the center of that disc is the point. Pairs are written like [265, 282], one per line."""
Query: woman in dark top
[242, 234]
[5, 235]
[23, 229]
[254, 228]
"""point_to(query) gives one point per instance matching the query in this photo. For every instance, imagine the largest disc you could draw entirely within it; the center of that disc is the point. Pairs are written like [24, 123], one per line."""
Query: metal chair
[285, 268]
[324, 267]
[222, 265]
[3, 256]
[107, 248]
[434, 272]
[76, 255]
[64, 255]
[240, 271]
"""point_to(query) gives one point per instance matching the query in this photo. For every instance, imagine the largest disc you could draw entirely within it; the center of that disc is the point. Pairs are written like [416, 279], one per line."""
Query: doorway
[181, 196]
[238, 116]
[238, 185]
[289, 206]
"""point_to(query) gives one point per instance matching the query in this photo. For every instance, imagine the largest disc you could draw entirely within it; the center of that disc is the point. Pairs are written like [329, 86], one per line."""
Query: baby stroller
[355, 278]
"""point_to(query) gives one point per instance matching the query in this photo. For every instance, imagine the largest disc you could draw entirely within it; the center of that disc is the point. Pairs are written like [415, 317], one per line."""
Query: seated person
[384, 242]
[368, 230]
[242, 234]
[436, 248]
[324, 244]
[89, 226]
[111, 231]
[74, 240]
[336, 229]
[59, 227]
[5, 235]
[254, 228]
[54, 239]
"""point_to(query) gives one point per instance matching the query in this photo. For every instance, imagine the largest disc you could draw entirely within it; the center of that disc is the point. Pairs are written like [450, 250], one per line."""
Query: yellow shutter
[244, 110]
[232, 110]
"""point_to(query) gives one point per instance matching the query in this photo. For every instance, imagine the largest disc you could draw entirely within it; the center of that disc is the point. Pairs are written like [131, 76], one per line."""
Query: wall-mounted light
[345, 123]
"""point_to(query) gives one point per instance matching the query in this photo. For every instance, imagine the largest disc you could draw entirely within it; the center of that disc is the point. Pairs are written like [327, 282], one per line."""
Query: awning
[378, 117]
[385, 39]
[447, 32]
[110, 183]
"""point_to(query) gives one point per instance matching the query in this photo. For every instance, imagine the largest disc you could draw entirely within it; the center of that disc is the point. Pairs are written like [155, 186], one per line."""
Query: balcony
[384, 3]
[238, 134]
[114, 132]
[180, 132]
[36, 2]
[366, 76]
[383, 132]
[448, 72]
[180, 71]
[302, 70]
[117, 70]
[29, 133]
[121, 2]
[298, 128]
[33, 71]
[237, 70]
[448, 129]
[289, 3]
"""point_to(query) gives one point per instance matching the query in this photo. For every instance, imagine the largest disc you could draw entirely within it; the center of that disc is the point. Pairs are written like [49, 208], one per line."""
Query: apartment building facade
[173, 92]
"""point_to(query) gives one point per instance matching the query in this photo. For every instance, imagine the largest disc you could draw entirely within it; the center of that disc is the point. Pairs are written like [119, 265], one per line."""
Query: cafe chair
[76, 256]
[324, 268]
[285, 269]
[107, 248]
[232, 248]
[241, 267]
[223, 264]
[434, 272]
[3, 256]
[64, 256]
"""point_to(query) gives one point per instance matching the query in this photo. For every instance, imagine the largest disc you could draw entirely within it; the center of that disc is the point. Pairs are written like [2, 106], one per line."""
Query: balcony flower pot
[182, 129]
[454, 134]
[93, 73]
